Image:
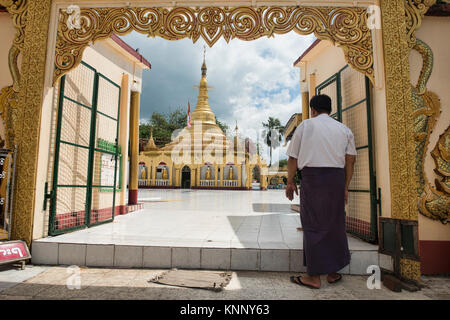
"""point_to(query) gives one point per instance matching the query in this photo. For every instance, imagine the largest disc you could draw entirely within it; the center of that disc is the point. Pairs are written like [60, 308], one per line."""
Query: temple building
[201, 156]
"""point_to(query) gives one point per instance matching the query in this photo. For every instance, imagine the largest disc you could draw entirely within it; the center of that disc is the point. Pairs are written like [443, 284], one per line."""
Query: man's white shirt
[321, 142]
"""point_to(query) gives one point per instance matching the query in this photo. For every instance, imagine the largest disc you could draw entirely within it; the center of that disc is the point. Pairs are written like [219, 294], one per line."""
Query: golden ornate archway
[347, 27]
[21, 103]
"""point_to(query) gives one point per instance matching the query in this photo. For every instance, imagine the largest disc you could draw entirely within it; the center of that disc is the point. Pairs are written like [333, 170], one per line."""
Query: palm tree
[273, 126]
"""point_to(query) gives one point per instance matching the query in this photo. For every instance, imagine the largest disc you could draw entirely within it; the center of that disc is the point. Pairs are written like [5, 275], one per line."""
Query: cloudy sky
[252, 80]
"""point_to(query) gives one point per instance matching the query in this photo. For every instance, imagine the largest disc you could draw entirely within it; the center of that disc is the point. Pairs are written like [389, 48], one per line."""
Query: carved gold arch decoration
[21, 104]
[346, 27]
[18, 10]
[435, 201]
[8, 113]
[400, 20]
[415, 10]
[9, 95]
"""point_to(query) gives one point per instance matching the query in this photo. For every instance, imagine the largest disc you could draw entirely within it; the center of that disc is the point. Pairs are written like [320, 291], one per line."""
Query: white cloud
[252, 80]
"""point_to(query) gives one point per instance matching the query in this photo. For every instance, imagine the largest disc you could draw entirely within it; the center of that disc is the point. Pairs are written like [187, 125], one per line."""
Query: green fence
[349, 91]
[86, 151]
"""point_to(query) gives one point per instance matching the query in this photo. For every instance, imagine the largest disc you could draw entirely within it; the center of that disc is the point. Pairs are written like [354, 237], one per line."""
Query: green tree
[222, 126]
[272, 127]
[144, 130]
[282, 163]
[164, 124]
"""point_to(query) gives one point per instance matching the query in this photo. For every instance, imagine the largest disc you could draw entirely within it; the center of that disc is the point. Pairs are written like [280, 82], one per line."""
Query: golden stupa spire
[236, 139]
[203, 112]
[151, 146]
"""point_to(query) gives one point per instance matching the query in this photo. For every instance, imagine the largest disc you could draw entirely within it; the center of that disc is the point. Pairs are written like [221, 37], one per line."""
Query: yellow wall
[434, 31]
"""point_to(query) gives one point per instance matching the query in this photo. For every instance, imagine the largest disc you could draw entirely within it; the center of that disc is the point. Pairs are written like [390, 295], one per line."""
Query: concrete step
[213, 258]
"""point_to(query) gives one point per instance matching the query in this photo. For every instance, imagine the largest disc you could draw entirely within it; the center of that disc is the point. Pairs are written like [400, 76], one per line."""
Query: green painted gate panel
[84, 97]
[350, 94]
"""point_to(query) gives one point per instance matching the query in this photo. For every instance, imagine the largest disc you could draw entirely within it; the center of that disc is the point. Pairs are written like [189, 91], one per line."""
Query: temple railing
[144, 183]
[207, 183]
[161, 182]
[230, 183]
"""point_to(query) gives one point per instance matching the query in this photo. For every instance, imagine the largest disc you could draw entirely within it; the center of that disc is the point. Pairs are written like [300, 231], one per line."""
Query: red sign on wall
[12, 251]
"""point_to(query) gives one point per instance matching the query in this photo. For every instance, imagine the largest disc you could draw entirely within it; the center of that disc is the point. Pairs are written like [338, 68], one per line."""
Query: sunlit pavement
[197, 229]
[95, 284]
[205, 218]
[199, 220]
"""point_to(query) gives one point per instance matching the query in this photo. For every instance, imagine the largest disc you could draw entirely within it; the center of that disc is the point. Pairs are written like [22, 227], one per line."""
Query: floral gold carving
[434, 202]
[346, 27]
[18, 11]
[22, 104]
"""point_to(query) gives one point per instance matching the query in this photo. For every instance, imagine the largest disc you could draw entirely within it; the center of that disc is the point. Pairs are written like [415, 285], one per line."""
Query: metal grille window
[86, 151]
[350, 95]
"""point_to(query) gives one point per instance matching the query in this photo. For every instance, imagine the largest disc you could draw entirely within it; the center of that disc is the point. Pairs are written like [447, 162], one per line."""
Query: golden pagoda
[201, 155]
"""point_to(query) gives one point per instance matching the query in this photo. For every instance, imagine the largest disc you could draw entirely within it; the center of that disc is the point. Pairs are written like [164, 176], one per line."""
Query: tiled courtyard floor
[204, 218]
[197, 229]
[119, 284]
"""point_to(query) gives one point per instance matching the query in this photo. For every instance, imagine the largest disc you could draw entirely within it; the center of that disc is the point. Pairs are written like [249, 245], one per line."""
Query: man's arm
[291, 186]
[349, 166]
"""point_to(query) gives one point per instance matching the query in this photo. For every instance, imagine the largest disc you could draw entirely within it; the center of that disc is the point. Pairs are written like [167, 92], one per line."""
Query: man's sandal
[298, 280]
[337, 280]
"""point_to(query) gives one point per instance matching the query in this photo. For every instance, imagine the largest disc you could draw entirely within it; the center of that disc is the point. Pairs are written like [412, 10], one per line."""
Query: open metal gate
[349, 91]
[86, 151]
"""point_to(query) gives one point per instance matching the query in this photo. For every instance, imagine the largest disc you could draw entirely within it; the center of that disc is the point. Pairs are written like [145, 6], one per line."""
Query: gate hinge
[47, 196]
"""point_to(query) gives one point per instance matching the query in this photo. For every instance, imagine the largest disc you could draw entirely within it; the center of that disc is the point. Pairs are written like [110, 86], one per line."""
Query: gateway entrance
[85, 172]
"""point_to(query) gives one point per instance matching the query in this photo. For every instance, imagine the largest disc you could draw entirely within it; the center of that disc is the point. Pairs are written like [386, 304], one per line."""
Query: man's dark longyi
[325, 246]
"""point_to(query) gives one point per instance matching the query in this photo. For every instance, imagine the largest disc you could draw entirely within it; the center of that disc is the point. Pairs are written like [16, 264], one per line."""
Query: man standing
[323, 149]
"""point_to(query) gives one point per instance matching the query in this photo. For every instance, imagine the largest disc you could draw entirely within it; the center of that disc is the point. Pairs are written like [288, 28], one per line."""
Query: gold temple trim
[346, 27]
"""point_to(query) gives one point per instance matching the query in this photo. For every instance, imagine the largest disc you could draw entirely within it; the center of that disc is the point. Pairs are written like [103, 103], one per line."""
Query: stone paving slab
[125, 284]
[11, 276]
[210, 224]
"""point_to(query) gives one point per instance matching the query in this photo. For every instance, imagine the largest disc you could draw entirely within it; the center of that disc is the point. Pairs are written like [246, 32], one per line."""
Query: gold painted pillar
[198, 176]
[152, 175]
[177, 178]
[28, 116]
[249, 177]
[221, 176]
[134, 146]
[399, 105]
[239, 167]
[263, 182]
[305, 105]
[312, 86]
[123, 136]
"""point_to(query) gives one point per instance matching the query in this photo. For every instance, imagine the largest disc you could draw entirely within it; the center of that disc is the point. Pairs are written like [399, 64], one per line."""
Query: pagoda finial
[150, 145]
[236, 128]
[204, 69]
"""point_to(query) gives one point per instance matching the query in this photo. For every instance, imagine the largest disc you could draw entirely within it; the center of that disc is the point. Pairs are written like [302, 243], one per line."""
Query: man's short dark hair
[321, 103]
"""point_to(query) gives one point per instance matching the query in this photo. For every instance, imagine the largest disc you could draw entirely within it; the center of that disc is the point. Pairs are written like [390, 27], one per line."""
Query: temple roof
[151, 146]
[203, 120]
